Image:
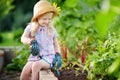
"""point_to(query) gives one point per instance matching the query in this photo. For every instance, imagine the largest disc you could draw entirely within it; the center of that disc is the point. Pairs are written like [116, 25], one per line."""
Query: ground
[71, 74]
[66, 74]
[11, 75]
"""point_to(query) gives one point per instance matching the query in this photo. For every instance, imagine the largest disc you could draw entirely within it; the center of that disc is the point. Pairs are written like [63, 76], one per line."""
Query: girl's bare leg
[37, 66]
[26, 72]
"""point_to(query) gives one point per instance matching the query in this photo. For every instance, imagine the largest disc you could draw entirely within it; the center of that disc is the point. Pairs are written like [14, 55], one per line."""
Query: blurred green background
[88, 33]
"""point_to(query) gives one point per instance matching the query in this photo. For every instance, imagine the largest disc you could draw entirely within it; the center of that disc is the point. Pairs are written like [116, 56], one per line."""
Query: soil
[71, 74]
[11, 75]
[66, 74]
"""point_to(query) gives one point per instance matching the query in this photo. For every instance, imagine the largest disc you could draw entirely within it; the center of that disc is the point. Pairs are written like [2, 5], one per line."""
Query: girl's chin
[43, 25]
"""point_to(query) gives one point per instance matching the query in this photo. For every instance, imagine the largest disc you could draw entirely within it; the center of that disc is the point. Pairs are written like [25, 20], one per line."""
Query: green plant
[103, 57]
[17, 34]
[19, 61]
[6, 7]
[114, 69]
[1, 38]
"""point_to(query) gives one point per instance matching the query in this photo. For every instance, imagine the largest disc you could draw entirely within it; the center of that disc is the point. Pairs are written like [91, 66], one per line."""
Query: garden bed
[72, 74]
[66, 74]
[9, 75]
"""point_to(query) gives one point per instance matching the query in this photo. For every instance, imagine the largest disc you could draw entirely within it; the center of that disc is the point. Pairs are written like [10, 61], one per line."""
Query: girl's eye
[49, 18]
[44, 18]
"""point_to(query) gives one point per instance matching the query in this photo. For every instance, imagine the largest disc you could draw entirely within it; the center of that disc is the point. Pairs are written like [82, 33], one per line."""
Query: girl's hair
[35, 27]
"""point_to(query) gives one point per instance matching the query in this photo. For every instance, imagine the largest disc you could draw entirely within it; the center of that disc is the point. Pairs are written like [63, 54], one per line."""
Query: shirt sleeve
[26, 38]
[28, 28]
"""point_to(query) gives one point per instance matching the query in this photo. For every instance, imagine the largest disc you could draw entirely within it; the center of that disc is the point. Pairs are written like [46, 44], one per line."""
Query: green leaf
[115, 2]
[114, 67]
[71, 3]
[6, 7]
[103, 21]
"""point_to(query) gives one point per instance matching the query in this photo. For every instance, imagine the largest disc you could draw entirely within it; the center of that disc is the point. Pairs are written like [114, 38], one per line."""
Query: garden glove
[57, 61]
[56, 64]
[34, 48]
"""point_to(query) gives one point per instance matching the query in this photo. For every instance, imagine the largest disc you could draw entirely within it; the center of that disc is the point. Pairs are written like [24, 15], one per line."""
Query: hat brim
[43, 11]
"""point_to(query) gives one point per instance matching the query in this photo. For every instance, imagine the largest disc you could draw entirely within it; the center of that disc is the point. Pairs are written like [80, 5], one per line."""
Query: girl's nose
[47, 21]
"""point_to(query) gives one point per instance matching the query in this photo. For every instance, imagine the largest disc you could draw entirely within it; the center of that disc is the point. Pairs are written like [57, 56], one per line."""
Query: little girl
[41, 30]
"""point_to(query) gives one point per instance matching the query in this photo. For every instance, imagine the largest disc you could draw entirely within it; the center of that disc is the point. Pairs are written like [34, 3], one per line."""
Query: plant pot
[1, 59]
[9, 54]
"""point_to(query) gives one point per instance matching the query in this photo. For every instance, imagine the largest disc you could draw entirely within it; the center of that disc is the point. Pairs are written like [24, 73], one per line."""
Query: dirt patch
[71, 74]
[66, 74]
[11, 75]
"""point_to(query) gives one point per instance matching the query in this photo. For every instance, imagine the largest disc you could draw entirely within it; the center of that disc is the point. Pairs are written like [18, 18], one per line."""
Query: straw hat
[41, 7]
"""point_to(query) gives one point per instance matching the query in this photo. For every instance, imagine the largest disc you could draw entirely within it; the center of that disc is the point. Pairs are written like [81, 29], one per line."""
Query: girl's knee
[24, 75]
[36, 66]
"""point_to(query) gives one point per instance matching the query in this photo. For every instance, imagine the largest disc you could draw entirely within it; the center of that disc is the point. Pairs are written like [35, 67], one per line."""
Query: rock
[47, 75]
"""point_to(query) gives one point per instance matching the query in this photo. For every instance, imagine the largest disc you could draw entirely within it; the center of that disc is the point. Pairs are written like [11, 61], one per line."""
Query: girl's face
[45, 19]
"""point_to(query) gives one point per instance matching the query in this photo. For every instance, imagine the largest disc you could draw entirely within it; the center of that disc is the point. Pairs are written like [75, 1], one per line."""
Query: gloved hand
[56, 64]
[34, 48]
[57, 61]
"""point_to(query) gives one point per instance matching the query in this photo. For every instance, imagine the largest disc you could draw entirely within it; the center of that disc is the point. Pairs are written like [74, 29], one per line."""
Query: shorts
[47, 58]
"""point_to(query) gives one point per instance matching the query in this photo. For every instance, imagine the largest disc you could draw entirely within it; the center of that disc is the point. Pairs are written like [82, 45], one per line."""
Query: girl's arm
[25, 39]
[57, 61]
[56, 45]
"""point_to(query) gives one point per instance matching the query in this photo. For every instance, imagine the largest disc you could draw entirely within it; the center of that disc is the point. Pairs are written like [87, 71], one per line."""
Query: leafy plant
[17, 35]
[103, 57]
[1, 38]
[6, 7]
[19, 62]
